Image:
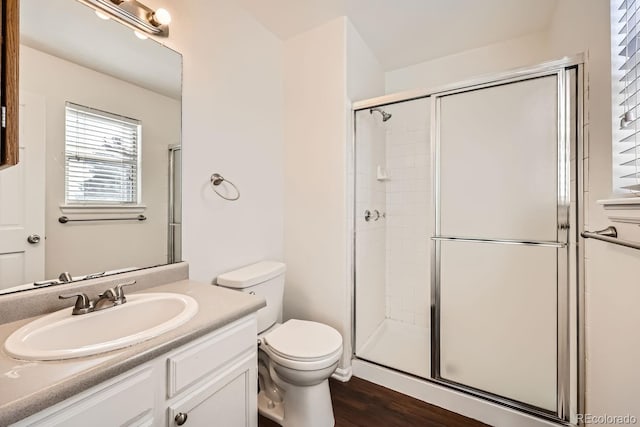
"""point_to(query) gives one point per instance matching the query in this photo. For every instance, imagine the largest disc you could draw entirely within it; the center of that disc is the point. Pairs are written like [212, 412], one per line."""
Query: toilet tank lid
[251, 274]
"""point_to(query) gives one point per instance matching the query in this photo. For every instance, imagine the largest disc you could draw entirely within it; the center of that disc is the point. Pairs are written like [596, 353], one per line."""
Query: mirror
[100, 127]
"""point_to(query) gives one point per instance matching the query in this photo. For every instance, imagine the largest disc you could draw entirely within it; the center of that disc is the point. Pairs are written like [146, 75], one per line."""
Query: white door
[22, 197]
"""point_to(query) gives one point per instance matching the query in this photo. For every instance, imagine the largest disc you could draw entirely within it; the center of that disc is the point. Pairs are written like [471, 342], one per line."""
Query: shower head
[385, 116]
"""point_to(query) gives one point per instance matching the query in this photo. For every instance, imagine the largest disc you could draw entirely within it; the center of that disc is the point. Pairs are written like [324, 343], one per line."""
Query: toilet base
[308, 406]
[270, 409]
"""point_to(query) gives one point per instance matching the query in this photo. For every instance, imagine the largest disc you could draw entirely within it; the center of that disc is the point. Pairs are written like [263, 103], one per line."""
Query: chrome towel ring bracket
[216, 180]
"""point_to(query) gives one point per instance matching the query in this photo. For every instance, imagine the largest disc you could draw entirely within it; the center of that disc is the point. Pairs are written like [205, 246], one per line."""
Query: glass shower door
[500, 241]
[392, 218]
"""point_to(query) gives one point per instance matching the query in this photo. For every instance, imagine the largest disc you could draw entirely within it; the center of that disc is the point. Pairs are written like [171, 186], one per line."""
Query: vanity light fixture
[134, 14]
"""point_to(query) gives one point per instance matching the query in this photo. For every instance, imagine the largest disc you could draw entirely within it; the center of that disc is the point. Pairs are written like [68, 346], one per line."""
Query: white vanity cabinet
[211, 381]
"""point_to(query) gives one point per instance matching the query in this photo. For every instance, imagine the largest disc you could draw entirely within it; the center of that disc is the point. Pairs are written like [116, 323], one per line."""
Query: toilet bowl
[295, 358]
[300, 357]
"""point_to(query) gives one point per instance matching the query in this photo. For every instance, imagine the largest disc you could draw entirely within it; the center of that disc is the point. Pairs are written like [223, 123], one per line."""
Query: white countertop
[27, 387]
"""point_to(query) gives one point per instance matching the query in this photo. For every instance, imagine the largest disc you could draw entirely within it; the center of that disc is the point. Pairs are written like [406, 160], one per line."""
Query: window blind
[626, 150]
[101, 157]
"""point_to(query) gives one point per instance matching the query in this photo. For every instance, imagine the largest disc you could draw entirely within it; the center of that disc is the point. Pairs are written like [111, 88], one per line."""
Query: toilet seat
[303, 345]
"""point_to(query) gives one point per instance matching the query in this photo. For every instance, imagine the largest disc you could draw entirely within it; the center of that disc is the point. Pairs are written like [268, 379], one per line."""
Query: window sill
[102, 209]
[626, 210]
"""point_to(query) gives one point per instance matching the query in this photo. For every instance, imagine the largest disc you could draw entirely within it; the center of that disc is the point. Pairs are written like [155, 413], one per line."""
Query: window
[625, 30]
[102, 157]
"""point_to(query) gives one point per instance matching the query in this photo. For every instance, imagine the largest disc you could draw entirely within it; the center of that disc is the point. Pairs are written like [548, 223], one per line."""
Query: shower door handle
[543, 243]
[375, 215]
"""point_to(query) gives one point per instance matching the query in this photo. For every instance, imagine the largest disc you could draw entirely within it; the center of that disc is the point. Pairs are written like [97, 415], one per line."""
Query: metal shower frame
[571, 348]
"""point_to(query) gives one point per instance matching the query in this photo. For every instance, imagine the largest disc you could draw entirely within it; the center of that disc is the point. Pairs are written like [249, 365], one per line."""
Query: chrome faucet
[109, 298]
[64, 277]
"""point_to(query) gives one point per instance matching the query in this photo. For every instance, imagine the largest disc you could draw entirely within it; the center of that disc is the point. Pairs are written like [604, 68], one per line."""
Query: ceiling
[399, 32]
[405, 32]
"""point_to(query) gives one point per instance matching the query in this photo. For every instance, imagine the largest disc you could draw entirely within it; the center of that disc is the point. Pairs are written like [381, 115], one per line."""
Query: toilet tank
[265, 279]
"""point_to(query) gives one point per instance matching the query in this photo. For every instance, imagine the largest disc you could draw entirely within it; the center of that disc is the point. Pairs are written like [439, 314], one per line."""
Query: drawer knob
[181, 418]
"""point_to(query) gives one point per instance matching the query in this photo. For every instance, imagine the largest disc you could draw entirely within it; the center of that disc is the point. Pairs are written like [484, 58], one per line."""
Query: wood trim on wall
[9, 150]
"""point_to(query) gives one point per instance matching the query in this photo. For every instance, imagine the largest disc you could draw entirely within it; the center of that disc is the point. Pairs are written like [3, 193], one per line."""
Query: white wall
[365, 75]
[499, 57]
[85, 248]
[612, 291]
[233, 125]
[324, 68]
[315, 176]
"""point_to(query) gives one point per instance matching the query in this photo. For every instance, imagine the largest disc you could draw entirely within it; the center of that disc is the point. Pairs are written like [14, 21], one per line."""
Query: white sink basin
[61, 335]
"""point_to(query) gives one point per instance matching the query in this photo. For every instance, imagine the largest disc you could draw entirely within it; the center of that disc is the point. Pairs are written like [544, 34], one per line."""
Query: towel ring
[217, 179]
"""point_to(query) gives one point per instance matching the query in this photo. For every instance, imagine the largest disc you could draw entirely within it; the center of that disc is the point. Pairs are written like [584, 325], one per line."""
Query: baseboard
[343, 374]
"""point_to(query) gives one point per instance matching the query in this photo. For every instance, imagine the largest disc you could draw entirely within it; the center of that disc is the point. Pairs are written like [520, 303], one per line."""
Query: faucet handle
[83, 303]
[65, 277]
[119, 292]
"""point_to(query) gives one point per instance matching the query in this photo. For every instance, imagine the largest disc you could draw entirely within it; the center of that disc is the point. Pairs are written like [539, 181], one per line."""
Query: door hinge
[4, 117]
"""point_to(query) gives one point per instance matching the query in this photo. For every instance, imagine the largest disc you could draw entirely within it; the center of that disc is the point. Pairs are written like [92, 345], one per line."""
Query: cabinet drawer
[126, 400]
[188, 365]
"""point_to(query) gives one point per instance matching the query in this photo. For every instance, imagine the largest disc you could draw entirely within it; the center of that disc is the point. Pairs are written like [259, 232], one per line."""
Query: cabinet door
[228, 399]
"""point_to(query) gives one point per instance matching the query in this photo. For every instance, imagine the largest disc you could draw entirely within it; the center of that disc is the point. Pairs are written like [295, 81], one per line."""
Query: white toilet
[295, 358]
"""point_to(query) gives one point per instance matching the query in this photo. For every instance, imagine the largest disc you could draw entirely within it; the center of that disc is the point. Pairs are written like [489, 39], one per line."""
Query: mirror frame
[10, 40]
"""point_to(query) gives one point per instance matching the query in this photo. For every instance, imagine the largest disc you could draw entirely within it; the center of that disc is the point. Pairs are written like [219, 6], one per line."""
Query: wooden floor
[361, 403]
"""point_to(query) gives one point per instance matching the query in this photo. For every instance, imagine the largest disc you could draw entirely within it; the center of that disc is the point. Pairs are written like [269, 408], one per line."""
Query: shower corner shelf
[381, 174]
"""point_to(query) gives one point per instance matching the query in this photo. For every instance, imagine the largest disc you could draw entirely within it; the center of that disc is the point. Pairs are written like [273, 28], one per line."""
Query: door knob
[33, 239]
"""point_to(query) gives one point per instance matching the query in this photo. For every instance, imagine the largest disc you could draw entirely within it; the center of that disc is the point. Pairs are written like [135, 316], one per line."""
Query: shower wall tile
[370, 253]
[408, 212]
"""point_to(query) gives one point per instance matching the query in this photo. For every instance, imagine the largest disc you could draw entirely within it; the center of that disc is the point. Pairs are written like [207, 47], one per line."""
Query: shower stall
[466, 220]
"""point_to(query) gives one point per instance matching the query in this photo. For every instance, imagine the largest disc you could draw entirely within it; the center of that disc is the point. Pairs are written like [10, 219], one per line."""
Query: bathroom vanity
[203, 371]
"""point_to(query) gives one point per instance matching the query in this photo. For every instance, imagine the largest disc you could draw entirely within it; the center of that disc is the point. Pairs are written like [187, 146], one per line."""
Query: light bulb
[140, 35]
[161, 16]
[102, 15]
